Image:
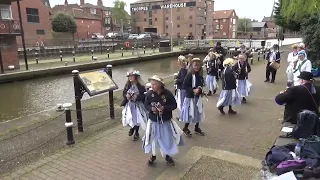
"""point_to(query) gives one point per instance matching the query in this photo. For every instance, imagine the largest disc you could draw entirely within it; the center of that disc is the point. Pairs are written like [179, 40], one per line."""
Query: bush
[310, 30]
[62, 22]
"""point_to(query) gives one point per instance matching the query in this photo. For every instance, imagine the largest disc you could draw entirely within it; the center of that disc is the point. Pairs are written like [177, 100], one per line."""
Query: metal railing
[230, 43]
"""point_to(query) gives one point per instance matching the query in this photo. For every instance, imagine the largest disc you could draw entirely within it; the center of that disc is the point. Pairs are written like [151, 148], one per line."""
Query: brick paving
[113, 155]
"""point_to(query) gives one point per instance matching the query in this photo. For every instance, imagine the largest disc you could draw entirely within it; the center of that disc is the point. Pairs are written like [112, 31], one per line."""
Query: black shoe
[231, 111]
[244, 100]
[151, 160]
[136, 136]
[214, 91]
[209, 93]
[199, 131]
[272, 81]
[267, 80]
[221, 110]
[170, 161]
[131, 131]
[187, 132]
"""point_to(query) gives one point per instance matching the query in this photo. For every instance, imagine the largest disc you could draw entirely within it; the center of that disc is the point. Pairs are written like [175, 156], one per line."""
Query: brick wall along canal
[31, 96]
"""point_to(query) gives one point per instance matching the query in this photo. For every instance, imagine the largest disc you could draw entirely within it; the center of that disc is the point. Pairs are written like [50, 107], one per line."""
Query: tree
[297, 9]
[118, 12]
[62, 22]
[244, 25]
[291, 24]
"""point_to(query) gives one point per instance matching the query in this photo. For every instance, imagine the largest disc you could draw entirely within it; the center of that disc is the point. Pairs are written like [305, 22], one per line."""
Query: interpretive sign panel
[97, 82]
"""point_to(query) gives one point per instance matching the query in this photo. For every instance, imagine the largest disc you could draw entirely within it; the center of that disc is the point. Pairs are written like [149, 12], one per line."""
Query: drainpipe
[22, 37]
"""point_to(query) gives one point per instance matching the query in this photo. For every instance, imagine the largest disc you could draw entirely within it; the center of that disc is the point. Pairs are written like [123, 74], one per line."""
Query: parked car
[153, 35]
[144, 36]
[133, 36]
[97, 36]
[111, 35]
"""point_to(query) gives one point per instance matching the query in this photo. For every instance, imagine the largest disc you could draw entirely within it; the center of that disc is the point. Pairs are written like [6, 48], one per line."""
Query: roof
[88, 5]
[258, 24]
[267, 19]
[75, 11]
[222, 14]
[146, 1]
[271, 25]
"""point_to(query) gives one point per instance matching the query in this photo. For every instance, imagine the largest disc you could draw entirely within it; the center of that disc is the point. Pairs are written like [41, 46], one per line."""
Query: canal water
[32, 96]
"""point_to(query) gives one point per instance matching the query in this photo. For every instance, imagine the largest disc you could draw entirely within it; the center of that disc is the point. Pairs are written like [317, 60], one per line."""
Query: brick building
[190, 18]
[271, 27]
[225, 24]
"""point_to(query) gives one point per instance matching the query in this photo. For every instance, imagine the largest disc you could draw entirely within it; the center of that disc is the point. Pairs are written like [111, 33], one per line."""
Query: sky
[253, 9]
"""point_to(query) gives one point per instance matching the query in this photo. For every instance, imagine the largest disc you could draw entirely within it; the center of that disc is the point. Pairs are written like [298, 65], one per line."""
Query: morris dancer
[222, 53]
[229, 96]
[207, 58]
[303, 64]
[292, 60]
[212, 72]
[180, 93]
[190, 57]
[272, 56]
[162, 132]
[242, 69]
[134, 113]
[192, 109]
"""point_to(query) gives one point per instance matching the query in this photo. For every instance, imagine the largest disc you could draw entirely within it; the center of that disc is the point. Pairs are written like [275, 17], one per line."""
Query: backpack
[308, 124]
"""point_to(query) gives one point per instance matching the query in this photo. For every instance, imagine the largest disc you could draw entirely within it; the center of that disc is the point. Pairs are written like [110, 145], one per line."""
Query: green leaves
[119, 12]
[62, 22]
[244, 25]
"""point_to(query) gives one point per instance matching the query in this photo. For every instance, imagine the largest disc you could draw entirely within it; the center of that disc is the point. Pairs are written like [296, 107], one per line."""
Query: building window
[230, 20]
[40, 32]
[144, 12]
[217, 27]
[145, 20]
[33, 15]
[167, 18]
[150, 22]
[234, 28]
[93, 11]
[199, 1]
[234, 21]
[167, 34]
[108, 20]
[221, 26]
[209, 2]
[155, 19]
[224, 20]
[190, 17]
[224, 33]
[178, 26]
[167, 26]
[217, 20]
[190, 25]
[178, 18]
[6, 12]
[150, 13]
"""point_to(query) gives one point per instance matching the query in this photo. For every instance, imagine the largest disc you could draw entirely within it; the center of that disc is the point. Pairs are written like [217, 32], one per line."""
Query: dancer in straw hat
[181, 93]
[134, 113]
[162, 132]
[212, 66]
[192, 109]
[229, 95]
[242, 68]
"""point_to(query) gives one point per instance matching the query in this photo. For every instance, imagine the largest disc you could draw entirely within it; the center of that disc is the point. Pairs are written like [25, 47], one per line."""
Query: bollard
[132, 50]
[111, 102]
[66, 63]
[60, 55]
[37, 59]
[74, 56]
[92, 54]
[108, 53]
[78, 96]
[122, 52]
[69, 123]
[154, 48]
[144, 49]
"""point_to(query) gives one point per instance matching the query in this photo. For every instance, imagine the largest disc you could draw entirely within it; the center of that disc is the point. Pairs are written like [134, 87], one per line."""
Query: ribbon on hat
[133, 73]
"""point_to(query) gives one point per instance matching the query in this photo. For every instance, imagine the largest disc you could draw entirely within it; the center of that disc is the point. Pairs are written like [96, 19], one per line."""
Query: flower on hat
[137, 73]
[228, 61]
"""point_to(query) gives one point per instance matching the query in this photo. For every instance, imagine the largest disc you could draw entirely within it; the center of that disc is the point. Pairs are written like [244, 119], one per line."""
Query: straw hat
[182, 59]
[295, 46]
[302, 45]
[228, 61]
[130, 73]
[156, 78]
[195, 60]
[190, 55]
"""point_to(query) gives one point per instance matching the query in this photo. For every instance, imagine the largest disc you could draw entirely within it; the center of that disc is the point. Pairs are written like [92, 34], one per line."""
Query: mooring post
[69, 123]
[122, 52]
[108, 51]
[60, 55]
[37, 59]
[78, 96]
[74, 56]
[132, 50]
[144, 49]
[92, 54]
[111, 101]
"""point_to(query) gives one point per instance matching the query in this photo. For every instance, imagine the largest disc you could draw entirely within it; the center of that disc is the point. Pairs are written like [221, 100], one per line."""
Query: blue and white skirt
[244, 87]
[134, 114]
[229, 98]
[192, 110]
[181, 94]
[211, 83]
[166, 136]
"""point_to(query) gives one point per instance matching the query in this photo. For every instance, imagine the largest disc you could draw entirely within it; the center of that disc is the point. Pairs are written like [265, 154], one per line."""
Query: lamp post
[171, 42]
[22, 36]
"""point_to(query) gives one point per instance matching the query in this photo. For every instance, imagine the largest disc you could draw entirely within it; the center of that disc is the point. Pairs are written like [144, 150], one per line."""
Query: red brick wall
[87, 26]
[227, 27]
[30, 29]
[10, 53]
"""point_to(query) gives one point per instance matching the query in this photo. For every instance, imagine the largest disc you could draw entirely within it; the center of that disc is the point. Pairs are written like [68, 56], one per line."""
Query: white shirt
[272, 56]
[307, 66]
[292, 58]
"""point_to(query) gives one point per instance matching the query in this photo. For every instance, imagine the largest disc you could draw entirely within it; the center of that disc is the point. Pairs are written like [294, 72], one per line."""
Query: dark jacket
[228, 79]
[140, 97]
[278, 57]
[187, 84]
[220, 50]
[243, 70]
[296, 99]
[180, 78]
[212, 68]
[166, 99]
[248, 54]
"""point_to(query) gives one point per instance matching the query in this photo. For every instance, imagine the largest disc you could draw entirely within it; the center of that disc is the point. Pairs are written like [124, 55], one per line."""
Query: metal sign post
[1, 63]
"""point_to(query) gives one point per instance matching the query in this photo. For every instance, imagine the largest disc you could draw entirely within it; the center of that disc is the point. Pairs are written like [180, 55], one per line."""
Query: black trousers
[270, 70]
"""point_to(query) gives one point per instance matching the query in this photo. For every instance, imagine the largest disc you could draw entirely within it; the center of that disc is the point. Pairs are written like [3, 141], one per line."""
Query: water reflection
[32, 96]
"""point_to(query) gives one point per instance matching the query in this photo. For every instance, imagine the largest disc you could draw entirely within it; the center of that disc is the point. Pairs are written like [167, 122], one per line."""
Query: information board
[97, 82]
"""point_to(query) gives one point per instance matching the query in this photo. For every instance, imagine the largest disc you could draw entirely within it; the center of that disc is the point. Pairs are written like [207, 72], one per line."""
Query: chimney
[81, 2]
[99, 3]
[66, 2]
